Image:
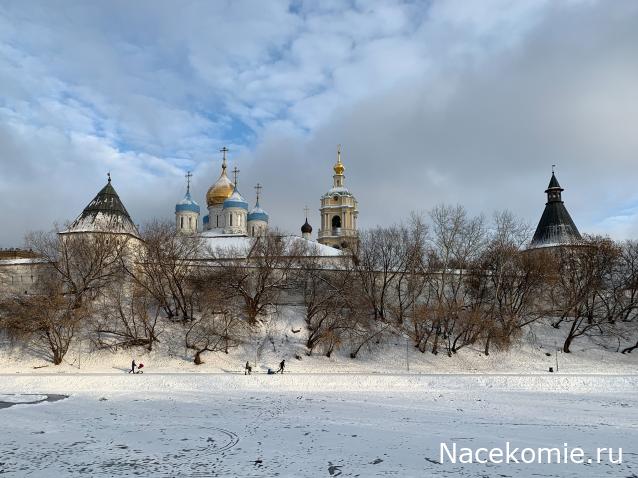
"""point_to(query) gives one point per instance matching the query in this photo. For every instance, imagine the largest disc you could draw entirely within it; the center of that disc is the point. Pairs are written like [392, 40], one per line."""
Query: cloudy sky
[466, 102]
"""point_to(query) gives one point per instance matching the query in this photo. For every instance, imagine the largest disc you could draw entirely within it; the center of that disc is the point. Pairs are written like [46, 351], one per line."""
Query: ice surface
[360, 425]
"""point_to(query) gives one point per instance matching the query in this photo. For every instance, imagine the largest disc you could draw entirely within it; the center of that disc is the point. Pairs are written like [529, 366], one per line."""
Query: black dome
[306, 228]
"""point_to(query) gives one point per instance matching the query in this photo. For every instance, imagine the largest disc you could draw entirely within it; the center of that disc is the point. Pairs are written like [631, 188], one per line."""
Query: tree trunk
[567, 344]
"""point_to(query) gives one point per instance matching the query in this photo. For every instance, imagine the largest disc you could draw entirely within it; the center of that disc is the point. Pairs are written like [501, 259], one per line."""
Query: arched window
[217, 217]
[190, 222]
[231, 220]
[336, 222]
[181, 223]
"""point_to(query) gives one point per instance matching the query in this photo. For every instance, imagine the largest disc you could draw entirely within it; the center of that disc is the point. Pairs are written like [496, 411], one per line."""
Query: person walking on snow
[282, 364]
[247, 369]
[133, 365]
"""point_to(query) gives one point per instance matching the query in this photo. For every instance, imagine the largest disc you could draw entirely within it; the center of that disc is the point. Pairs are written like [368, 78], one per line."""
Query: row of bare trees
[457, 281]
[443, 283]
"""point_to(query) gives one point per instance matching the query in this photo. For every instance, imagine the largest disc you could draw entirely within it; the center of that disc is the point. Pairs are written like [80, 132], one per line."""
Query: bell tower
[339, 212]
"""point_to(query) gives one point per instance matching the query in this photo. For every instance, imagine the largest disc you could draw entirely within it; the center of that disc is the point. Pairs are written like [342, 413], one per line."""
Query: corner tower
[556, 226]
[339, 211]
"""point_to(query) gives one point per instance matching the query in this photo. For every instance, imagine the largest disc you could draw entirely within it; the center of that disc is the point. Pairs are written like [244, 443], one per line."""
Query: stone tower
[556, 226]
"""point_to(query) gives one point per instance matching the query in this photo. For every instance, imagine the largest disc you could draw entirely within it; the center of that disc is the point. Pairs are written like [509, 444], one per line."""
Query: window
[231, 220]
[181, 223]
[336, 221]
[217, 217]
[190, 222]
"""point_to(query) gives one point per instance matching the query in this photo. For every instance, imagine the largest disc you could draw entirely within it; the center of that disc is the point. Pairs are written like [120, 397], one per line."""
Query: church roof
[553, 182]
[306, 228]
[258, 214]
[105, 213]
[234, 246]
[235, 200]
[556, 227]
[187, 204]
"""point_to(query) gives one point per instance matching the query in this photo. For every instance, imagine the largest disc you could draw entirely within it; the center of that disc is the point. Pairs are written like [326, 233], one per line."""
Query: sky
[458, 102]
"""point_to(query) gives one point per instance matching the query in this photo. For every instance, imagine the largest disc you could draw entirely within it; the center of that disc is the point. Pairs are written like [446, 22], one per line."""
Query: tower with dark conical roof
[104, 214]
[556, 226]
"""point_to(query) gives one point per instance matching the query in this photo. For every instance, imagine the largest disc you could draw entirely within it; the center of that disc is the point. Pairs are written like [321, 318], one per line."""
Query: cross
[235, 171]
[224, 150]
[306, 211]
[189, 175]
[339, 151]
[553, 166]
[258, 188]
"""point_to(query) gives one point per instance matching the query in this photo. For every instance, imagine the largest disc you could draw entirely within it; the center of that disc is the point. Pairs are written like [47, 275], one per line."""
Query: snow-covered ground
[385, 413]
[301, 425]
[535, 353]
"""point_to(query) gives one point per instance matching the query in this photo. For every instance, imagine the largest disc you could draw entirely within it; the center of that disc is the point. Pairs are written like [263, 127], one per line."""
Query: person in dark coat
[282, 364]
[247, 369]
[133, 365]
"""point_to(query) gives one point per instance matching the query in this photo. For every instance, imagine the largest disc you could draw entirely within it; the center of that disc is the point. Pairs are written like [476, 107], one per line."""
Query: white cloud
[433, 101]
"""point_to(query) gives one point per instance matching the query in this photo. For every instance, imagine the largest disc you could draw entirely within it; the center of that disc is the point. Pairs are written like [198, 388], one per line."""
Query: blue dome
[187, 205]
[258, 214]
[235, 200]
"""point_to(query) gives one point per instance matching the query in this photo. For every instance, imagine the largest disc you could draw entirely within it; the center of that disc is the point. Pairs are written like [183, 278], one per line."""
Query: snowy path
[364, 425]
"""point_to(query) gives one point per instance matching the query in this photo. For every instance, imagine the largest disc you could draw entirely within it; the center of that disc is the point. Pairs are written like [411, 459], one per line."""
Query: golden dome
[221, 190]
[339, 167]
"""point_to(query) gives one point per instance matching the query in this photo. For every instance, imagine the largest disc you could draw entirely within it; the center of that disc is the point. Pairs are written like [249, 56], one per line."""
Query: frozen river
[206, 425]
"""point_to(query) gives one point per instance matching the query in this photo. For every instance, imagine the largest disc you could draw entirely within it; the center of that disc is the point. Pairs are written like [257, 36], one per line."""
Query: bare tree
[216, 325]
[260, 275]
[582, 275]
[325, 292]
[507, 284]
[85, 263]
[626, 293]
[163, 267]
[457, 242]
[127, 318]
[51, 319]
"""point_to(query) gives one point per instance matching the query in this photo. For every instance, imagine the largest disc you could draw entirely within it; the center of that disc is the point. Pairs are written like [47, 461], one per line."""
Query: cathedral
[229, 213]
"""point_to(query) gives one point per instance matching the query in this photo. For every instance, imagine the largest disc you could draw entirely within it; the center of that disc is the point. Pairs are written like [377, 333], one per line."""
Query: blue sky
[466, 102]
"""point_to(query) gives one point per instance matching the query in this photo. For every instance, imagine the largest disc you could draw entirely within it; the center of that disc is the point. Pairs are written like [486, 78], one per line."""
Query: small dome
[235, 200]
[339, 168]
[187, 205]
[306, 228]
[221, 190]
[258, 214]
